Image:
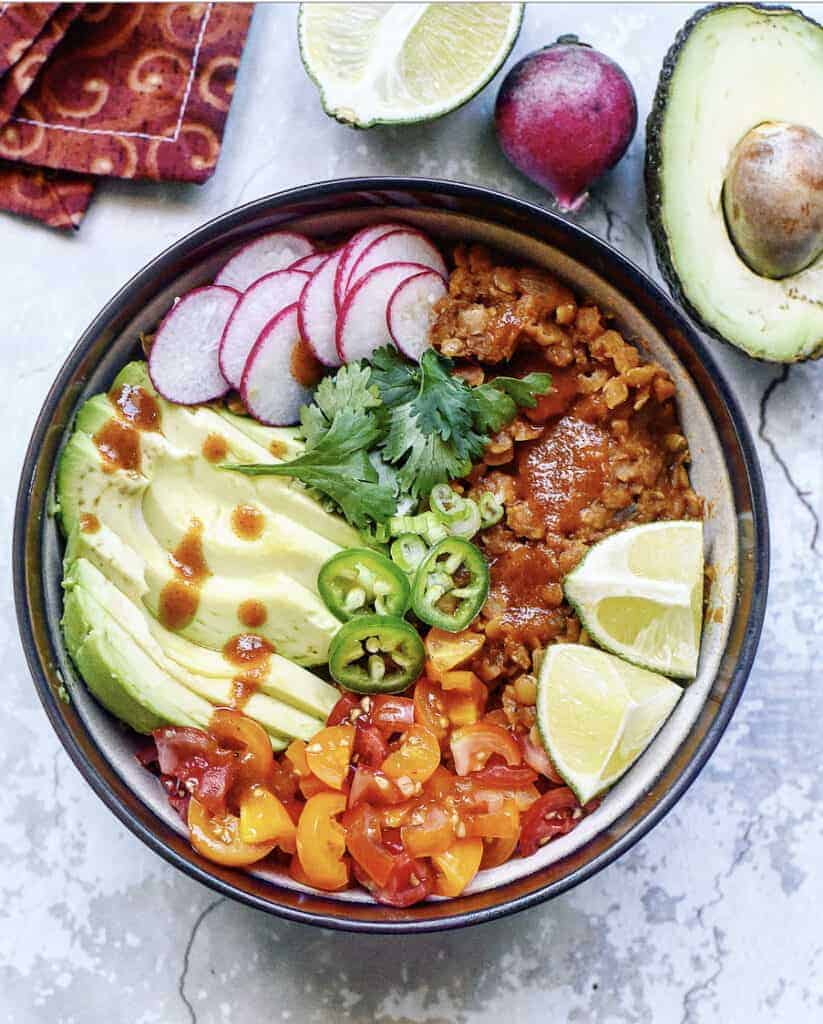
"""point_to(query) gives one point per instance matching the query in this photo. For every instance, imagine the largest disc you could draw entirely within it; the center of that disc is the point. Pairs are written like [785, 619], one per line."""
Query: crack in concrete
[802, 496]
[181, 983]
[719, 954]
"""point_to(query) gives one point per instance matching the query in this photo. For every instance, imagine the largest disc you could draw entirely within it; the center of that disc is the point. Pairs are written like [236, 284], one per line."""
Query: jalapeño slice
[376, 654]
[451, 585]
[358, 581]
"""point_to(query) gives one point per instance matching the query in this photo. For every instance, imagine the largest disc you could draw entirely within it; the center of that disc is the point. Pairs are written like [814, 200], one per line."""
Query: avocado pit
[773, 198]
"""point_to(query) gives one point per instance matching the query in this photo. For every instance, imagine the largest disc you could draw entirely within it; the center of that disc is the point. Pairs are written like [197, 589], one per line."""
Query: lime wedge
[397, 63]
[597, 714]
[639, 594]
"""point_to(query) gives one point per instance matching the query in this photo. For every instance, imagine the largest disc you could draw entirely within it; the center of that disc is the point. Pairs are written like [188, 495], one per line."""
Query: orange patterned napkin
[131, 91]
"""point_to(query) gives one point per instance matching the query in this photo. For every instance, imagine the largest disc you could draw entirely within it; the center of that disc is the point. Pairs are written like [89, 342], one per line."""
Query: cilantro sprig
[390, 429]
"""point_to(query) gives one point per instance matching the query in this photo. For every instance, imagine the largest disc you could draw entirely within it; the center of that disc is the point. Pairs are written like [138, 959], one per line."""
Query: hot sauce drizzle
[180, 597]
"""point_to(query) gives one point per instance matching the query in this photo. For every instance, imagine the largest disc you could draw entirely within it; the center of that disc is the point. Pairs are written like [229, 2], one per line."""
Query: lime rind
[345, 108]
[640, 703]
[669, 642]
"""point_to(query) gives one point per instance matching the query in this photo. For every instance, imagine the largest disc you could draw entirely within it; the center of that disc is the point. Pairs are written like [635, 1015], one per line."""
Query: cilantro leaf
[497, 402]
[396, 379]
[350, 390]
[339, 466]
[429, 459]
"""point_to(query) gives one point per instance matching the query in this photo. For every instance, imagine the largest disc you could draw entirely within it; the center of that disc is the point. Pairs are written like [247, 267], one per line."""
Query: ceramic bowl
[724, 470]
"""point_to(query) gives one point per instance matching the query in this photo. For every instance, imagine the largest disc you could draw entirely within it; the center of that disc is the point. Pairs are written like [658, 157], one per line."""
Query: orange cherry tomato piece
[264, 818]
[455, 867]
[430, 708]
[473, 745]
[497, 851]
[296, 754]
[328, 754]
[502, 823]
[459, 680]
[217, 838]
[466, 707]
[231, 728]
[445, 651]
[299, 875]
[429, 830]
[417, 757]
[321, 841]
[364, 841]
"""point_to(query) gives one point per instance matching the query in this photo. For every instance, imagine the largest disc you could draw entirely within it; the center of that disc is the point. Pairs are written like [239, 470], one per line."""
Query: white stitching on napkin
[134, 135]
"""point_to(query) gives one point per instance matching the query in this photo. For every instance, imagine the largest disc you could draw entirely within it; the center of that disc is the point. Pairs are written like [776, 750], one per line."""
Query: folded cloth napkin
[130, 91]
[20, 24]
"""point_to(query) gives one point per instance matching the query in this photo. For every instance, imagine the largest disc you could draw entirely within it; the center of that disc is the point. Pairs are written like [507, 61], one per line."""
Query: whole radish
[565, 115]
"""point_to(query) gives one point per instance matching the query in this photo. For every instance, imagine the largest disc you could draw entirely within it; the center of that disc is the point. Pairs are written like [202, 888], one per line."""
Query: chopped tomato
[321, 841]
[440, 784]
[296, 754]
[311, 786]
[393, 817]
[299, 875]
[392, 714]
[552, 815]
[341, 712]
[430, 708]
[364, 841]
[409, 882]
[284, 781]
[502, 823]
[535, 755]
[497, 851]
[430, 830]
[328, 754]
[198, 764]
[264, 818]
[492, 798]
[233, 729]
[462, 681]
[369, 743]
[501, 776]
[445, 651]
[416, 758]
[455, 867]
[466, 707]
[217, 837]
[473, 745]
[374, 787]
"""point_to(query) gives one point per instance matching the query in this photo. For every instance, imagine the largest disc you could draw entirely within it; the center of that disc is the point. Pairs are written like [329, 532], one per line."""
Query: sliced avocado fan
[127, 529]
[731, 69]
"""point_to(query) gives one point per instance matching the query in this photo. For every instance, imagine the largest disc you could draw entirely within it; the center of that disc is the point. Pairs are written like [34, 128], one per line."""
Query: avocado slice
[731, 68]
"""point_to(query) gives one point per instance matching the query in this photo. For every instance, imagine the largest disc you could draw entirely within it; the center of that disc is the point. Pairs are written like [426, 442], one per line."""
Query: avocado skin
[653, 167]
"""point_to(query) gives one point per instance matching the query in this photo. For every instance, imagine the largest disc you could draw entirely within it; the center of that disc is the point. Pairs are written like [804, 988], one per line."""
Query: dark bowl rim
[753, 627]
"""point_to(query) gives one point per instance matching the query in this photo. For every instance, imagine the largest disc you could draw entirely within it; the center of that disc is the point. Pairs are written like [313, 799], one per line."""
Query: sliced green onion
[408, 551]
[426, 525]
[468, 523]
[491, 510]
[445, 503]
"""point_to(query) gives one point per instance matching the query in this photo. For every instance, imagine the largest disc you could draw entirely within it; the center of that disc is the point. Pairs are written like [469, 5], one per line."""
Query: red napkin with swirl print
[129, 90]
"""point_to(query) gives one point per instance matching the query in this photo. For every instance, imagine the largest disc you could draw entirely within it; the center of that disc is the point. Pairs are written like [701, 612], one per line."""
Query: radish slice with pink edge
[270, 390]
[275, 251]
[183, 363]
[317, 312]
[405, 245]
[410, 312]
[310, 263]
[258, 304]
[352, 251]
[362, 326]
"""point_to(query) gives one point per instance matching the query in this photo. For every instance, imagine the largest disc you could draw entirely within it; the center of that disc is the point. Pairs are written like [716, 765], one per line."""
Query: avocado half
[731, 68]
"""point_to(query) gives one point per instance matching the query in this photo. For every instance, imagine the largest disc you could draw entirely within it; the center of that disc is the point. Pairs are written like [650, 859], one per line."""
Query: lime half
[397, 63]
[597, 714]
[639, 594]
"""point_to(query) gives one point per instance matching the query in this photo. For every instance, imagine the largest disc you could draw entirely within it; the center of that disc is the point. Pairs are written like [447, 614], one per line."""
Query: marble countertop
[713, 916]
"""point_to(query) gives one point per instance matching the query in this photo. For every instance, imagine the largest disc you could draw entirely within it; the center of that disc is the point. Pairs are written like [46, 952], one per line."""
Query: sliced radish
[362, 326]
[269, 389]
[311, 262]
[318, 314]
[404, 245]
[183, 363]
[352, 251]
[258, 305]
[275, 251]
[410, 314]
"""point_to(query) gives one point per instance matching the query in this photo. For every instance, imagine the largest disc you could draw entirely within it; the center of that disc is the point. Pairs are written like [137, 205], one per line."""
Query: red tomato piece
[535, 755]
[392, 714]
[473, 745]
[369, 743]
[410, 882]
[341, 712]
[364, 841]
[501, 776]
[552, 815]
[372, 786]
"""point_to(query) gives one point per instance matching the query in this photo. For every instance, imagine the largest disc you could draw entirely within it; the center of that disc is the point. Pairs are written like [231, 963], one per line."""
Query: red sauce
[305, 368]
[253, 654]
[180, 597]
[89, 523]
[557, 401]
[215, 448]
[252, 613]
[136, 406]
[247, 522]
[119, 445]
[563, 472]
[525, 580]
